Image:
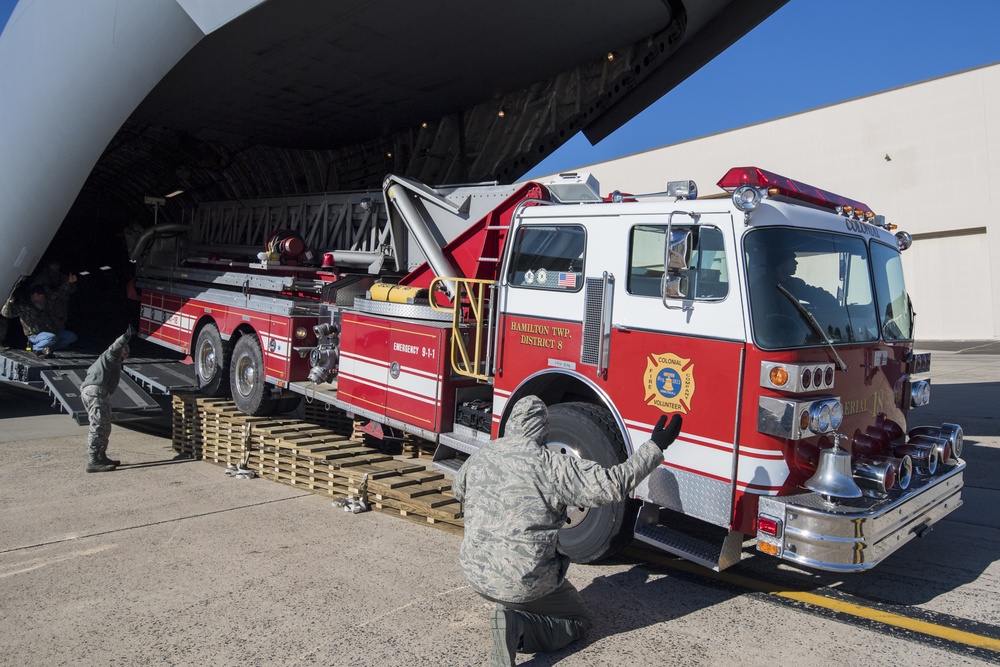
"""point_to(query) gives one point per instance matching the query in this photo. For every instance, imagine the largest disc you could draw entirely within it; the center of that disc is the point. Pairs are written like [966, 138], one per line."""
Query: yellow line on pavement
[888, 618]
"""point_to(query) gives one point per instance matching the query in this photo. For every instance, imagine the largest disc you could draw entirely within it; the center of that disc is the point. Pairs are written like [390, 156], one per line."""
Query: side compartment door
[364, 363]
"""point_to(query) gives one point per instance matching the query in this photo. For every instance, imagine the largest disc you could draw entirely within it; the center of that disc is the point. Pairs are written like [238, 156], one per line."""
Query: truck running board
[451, 446]
[710, 546]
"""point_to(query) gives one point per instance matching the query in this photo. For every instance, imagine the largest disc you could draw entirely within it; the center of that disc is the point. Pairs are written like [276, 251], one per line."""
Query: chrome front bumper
[857, 534]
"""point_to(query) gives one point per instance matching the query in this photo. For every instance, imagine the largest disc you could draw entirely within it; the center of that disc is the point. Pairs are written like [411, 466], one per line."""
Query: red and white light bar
[786, 187]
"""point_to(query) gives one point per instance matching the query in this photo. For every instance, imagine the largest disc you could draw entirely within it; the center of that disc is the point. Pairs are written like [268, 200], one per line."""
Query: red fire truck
[774, 318]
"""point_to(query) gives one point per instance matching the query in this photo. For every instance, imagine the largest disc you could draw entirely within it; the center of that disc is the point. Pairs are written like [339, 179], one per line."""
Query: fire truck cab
[775, 319]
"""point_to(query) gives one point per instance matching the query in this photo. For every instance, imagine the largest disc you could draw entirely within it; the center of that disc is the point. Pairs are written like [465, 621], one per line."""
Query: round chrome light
[819, 417]
[746, 198]
[301, 332]
[920, 393]
[828, 376]
[836, 414]
[806, 378]
[824, 419]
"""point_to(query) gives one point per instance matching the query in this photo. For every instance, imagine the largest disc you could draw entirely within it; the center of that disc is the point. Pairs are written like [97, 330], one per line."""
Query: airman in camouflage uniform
[59, 287]
[42, 326]
[102, 381]
[515, 493]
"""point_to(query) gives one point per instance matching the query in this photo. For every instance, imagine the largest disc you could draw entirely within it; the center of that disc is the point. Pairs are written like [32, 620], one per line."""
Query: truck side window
[707, 277]
[548, 258]
[893, 301]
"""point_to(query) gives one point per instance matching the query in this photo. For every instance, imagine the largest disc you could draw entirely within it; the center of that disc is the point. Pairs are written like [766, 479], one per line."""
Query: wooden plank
[411, 491]
[452, 511]
[382, 469]
[314, 458]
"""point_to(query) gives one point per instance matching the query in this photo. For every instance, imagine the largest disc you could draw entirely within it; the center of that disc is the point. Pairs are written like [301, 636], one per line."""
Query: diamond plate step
[716, 554]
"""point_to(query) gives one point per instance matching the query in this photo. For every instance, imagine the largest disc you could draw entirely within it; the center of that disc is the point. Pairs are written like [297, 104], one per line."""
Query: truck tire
[211, 361]
[250, 392]
[589, 432]
[287, 403]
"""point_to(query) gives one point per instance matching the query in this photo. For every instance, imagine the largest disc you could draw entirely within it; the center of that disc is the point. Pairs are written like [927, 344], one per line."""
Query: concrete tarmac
[168, 562]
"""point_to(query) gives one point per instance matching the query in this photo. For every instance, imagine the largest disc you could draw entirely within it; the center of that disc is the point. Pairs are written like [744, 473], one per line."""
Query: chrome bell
[833, 478]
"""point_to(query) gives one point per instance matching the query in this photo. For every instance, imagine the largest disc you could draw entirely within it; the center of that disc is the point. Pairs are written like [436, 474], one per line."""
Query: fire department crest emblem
[669, 383]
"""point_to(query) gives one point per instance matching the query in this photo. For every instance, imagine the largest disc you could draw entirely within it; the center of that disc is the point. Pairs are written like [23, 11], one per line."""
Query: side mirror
[677, 260]
[678, 252]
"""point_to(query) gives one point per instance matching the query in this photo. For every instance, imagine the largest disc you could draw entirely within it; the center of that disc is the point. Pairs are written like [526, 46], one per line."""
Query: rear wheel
[287, 403]
[211, 361]
[250, 391]
[589, 432]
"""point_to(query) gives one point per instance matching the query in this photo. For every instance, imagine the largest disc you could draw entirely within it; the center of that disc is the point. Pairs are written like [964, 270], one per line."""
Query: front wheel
[250, 392]
[589, 432]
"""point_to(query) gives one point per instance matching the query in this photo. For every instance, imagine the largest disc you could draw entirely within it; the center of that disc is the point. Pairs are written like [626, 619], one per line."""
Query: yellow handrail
[473, 292]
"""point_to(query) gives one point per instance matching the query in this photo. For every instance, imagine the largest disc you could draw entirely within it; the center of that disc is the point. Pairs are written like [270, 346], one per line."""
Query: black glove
[130, 331]
[662, 437]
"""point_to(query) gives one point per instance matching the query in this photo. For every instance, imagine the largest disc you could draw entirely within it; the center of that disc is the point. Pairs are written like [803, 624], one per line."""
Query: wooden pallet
[324, 414]
[306, 455]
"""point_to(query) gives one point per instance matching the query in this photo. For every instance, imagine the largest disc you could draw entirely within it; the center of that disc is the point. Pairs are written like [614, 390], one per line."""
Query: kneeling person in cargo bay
[102, 381]
[515, 493]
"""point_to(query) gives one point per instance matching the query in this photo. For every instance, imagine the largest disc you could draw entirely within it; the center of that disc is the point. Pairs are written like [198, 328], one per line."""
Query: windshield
[894, 305]
[796, 276]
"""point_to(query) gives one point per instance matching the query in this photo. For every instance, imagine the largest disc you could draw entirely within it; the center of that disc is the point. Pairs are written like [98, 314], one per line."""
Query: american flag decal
[567, 280]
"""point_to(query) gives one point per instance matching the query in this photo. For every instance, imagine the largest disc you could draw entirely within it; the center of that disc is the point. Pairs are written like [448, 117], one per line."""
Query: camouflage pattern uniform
[58, 289]
[42, 326]
[34, 320]
[515, 493]
[102, 381]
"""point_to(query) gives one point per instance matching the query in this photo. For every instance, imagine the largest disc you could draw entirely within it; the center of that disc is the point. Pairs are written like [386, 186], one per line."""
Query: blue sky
[808, 54]
[6, 7]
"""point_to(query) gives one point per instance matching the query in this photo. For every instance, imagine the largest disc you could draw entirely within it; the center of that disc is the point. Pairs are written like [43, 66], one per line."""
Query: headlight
[920, 393]
[819, 418]
[836, 415]
[825, 416]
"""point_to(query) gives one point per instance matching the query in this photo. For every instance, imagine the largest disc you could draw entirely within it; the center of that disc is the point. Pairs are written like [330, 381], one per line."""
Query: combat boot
[109, 462]
[505, 634]
[96, 465]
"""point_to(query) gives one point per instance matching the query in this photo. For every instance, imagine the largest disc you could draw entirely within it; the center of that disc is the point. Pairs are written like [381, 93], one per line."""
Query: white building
[927, 156]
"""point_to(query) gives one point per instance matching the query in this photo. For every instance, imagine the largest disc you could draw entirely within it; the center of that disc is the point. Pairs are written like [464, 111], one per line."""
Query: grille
[593, 298]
